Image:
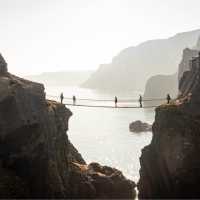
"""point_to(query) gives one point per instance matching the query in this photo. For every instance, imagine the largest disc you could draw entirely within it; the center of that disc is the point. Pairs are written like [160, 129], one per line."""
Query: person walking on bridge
[140, 101]
[116, 101]
[168, 98]
[61, 98]
[74, 100]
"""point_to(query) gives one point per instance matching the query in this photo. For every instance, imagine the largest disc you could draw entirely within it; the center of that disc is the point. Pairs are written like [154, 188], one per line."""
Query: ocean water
[102, 134]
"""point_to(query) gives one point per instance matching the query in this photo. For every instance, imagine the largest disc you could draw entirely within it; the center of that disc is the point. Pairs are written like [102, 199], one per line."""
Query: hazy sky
[54, 35]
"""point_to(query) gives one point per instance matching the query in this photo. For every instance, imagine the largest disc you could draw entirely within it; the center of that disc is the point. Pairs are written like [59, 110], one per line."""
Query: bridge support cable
[118, 106]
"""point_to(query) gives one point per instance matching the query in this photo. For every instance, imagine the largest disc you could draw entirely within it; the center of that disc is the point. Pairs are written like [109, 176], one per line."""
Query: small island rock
[139, 126]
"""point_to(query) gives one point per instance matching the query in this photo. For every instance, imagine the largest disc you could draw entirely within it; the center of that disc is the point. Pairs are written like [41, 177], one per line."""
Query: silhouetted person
[168, 98]
[74, 100]
[140, 101]
[116, 101]
[61, 98]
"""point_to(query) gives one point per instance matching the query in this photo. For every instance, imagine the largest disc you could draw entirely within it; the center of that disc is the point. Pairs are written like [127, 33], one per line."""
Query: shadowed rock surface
[139, 126]
[37, 159]
[170, 165]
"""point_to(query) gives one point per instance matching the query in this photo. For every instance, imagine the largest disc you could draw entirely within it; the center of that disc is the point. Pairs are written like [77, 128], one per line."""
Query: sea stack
[170, 165]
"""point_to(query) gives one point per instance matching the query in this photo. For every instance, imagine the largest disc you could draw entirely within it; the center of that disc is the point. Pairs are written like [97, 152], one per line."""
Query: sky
[58, 35]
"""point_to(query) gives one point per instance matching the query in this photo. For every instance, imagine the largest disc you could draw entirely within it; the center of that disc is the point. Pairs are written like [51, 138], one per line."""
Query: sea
[102, 134]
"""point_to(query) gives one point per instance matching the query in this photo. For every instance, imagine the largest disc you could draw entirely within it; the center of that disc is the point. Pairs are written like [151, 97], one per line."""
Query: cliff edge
[170, 165]
[37, 159]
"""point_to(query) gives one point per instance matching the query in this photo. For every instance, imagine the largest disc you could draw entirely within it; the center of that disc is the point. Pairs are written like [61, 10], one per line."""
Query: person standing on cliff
[116, 101]
[61, 98]
[74, 100]
[140, 101]
[168, 98]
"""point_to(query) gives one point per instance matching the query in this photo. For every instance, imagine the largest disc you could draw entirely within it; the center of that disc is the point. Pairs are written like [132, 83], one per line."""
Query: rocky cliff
[170, 165]
[37, 159]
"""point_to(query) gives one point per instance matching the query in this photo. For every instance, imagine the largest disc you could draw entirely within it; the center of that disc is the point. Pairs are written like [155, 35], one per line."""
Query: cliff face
[170, 165]
[37, 159]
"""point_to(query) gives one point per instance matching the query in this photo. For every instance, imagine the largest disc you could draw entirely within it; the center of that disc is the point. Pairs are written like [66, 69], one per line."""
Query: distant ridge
[132, 67]
[61, 78]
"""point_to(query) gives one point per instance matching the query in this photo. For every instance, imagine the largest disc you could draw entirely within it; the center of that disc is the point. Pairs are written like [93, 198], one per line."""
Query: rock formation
[37, 159]
[170, 165]
[139, 126]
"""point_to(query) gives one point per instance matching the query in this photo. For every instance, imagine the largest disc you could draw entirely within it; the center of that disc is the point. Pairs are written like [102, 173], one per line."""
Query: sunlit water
[102, 134]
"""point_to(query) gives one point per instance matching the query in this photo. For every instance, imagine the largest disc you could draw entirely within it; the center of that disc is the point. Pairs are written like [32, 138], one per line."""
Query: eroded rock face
[170, 165]
[37, 159]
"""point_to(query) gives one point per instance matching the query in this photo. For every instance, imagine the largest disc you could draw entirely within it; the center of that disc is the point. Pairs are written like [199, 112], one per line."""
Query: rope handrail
[109, 100]
[95, 106]
[116, 104]
[134, 100]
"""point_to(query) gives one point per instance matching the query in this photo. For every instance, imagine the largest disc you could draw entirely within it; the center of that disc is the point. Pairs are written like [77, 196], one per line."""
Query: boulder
[107, 182]
[139, 126]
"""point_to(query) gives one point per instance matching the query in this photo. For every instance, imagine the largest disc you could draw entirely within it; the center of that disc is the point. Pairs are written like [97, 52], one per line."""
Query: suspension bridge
[109, 103]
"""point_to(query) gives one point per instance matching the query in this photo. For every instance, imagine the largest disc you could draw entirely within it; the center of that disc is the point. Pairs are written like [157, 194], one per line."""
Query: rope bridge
[114, 106]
